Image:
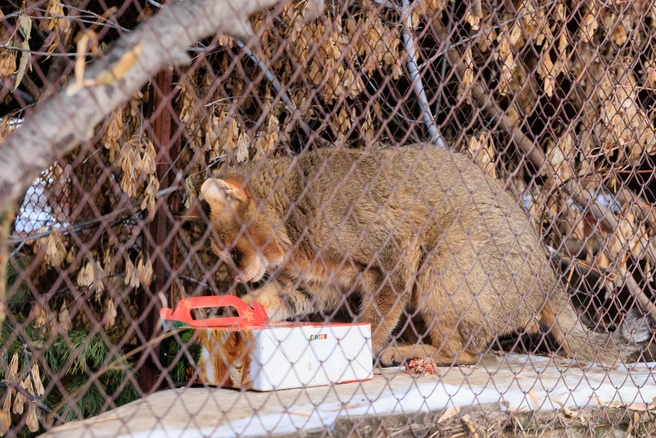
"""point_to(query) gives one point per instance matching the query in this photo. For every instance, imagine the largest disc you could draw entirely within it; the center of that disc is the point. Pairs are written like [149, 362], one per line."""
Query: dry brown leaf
[547, 72]
[368, 131]
[145, 271]
[54, 18]
[5, 414]
[186, 101]
[342, 121]
[565, 410]
[225, 40]
[449, 413]
[146, 160]
[267, 138]
[588, 27]
[621, 28]
[641, 407]
[131, 274]
[243, 142]
[110, 314]
[505, 55]
[473, 17]
[601, 260]
[561, 156]
[650, 72]
[481, 149]
[129, 176]
[25, 29]
[87, 275]
[229, 133]
[108, 262]
[32, 420]
[150, 196]
[114, 133]
[190, 192]
[562, 47]
[7, 62]
[471, 426]
[625, 126]
[433, 7]
[19, 403]
[64, 318]
[13, 367]
[561, 13]
[55, 250]
[415, 19]
[36, 376]
[5, 422]
[514, 34]
[534, 399]
[33, 385]
[468, 76]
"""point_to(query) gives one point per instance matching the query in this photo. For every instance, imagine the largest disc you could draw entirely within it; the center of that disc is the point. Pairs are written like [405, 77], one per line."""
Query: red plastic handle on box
[248, 316]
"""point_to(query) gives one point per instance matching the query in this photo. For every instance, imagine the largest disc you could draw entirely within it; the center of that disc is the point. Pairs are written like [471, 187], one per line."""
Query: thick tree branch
[64, 121]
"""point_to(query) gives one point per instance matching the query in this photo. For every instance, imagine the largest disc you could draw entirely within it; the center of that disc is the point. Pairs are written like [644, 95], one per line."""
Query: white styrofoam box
[298, 355]
[250, 352]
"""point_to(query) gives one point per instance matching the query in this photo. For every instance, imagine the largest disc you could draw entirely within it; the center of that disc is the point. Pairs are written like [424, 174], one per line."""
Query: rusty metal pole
[161, 248]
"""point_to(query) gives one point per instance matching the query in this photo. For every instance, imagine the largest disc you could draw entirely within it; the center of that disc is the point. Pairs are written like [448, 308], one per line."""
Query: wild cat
[418, 230]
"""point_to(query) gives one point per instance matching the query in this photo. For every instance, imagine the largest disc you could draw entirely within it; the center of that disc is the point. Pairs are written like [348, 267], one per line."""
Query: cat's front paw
[272, 305]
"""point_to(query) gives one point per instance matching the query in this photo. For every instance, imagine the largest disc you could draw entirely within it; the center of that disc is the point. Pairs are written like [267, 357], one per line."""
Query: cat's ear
[217, 192]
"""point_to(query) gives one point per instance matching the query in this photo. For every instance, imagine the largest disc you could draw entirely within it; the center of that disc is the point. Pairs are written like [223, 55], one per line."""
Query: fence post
[162, 251]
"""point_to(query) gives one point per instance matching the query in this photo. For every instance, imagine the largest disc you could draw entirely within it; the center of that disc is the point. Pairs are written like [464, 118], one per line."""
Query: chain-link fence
[457, 193]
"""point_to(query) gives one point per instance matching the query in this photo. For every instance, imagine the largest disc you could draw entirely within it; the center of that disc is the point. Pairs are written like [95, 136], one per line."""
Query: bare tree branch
[32, 89]
[63, 122]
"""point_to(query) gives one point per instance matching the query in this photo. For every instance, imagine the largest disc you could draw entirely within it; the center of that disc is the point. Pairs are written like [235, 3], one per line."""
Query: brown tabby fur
[416, 229]
[226, 358]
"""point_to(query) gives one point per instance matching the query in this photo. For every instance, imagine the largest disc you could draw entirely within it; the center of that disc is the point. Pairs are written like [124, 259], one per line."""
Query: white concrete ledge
[517, 382]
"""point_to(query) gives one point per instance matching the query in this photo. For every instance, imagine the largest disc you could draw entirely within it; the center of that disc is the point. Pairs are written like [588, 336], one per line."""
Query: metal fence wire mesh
[475, 180]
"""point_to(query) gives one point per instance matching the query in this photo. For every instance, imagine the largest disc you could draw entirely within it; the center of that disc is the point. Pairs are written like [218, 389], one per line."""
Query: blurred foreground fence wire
[335, 211]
